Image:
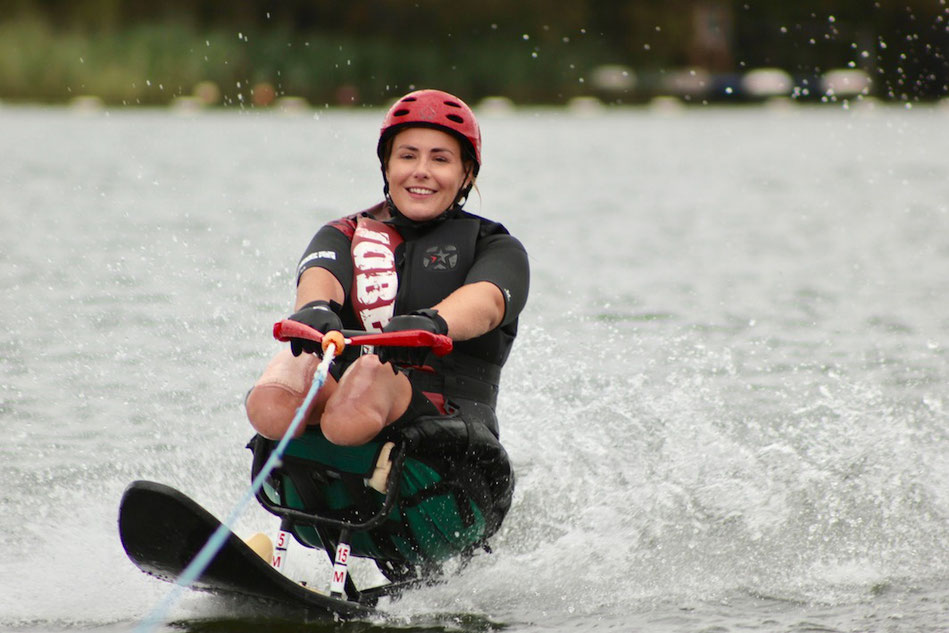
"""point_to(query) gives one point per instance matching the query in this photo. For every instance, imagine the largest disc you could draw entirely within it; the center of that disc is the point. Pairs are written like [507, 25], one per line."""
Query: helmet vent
[409, 99]
[455, 118]
[453, 104]
[401, 112]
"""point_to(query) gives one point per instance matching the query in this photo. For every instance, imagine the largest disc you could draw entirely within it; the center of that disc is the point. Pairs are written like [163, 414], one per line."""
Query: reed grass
[156, 62]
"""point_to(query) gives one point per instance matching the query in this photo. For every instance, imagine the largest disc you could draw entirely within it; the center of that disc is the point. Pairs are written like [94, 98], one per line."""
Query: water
[727, 406]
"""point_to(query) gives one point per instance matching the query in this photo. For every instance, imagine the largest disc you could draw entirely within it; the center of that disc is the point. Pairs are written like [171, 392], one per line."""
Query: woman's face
[425, 172]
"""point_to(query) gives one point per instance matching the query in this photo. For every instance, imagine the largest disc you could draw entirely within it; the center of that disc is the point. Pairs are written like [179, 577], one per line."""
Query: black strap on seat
[461, 376]
[366, 515]
[262, 449]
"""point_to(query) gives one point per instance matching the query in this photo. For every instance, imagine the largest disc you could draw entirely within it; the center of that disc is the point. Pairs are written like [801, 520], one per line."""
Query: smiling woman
[415, 261]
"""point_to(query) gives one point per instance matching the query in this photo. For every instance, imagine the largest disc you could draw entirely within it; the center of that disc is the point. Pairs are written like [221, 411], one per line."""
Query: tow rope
[331, 346]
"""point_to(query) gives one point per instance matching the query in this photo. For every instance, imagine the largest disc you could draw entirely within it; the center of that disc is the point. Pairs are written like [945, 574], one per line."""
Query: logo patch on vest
[375, 282]
[440, 257]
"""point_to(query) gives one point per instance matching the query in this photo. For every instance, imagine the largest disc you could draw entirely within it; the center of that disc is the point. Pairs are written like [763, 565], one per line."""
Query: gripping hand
[428, 320]
[320, 316]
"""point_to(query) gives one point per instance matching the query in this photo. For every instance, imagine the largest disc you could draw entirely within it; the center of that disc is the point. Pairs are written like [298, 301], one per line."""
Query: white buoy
[767, 82]
[87, 104]
[585, 106]
[186, 105]
[687, 82]
[292, 105]
[613, 78]
[666, 104]
[845, 82]
[496, 105]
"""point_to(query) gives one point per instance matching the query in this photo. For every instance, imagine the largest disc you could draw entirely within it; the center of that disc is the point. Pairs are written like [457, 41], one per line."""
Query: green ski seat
[449, 486]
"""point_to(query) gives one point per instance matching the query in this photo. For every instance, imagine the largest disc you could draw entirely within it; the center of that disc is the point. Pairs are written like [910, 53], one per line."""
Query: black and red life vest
[400, 269]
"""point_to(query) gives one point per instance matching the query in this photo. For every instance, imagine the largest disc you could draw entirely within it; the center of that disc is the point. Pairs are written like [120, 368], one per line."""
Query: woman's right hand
[318, 315]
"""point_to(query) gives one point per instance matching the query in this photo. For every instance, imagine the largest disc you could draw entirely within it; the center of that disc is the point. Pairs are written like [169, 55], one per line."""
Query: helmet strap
[462, 197]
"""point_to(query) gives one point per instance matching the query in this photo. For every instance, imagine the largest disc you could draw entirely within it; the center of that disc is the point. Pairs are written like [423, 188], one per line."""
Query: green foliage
[531, 51]
[151, 63]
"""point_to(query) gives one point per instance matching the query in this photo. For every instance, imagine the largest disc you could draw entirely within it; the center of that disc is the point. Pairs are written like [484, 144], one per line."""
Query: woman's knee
[350, 428]
[270, 409]
[273, 402]
[363, 402]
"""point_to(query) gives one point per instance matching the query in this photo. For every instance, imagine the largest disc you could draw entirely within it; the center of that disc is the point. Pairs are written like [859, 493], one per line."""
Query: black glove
[428, 320]
[319, 315]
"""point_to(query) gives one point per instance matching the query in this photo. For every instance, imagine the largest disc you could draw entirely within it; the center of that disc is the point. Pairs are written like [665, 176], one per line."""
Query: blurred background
[259, 53]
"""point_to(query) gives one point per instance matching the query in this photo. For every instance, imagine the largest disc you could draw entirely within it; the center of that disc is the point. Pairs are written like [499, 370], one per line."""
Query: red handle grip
[441, 345]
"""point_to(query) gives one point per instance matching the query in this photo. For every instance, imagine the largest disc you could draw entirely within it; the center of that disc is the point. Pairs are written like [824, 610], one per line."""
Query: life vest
[395, 275]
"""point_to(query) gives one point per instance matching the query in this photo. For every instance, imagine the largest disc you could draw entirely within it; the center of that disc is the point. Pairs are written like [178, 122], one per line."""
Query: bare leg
[281, 389]
[368, 397]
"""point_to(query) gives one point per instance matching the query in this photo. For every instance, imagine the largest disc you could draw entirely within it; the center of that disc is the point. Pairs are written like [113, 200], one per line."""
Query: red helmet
[437, 109]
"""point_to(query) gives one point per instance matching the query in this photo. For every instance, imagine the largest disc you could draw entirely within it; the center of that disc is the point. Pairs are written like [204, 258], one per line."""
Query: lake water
[728, 406]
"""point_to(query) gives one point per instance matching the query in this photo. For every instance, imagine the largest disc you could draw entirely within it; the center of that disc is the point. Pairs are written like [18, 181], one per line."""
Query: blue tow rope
[200, 562]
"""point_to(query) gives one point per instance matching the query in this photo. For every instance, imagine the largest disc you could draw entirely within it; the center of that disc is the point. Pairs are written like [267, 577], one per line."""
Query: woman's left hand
[427, 320]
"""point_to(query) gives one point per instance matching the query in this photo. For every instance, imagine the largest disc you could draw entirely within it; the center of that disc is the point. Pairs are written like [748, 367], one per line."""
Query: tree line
[539, 51]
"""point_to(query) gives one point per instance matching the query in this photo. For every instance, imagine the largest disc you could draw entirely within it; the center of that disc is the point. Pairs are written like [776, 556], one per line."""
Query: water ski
[162, 530]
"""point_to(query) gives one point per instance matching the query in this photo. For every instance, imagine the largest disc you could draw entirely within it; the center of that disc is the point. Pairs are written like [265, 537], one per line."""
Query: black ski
[162, 530]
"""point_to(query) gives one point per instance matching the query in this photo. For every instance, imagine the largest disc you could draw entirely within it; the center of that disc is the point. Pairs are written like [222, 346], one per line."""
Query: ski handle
[441, 345]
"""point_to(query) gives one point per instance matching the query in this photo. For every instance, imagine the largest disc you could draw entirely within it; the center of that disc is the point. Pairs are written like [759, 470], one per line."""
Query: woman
[414, 261]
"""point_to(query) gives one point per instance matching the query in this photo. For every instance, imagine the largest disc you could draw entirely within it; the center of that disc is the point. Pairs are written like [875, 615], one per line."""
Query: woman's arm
[472, 310]
[318, 283]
